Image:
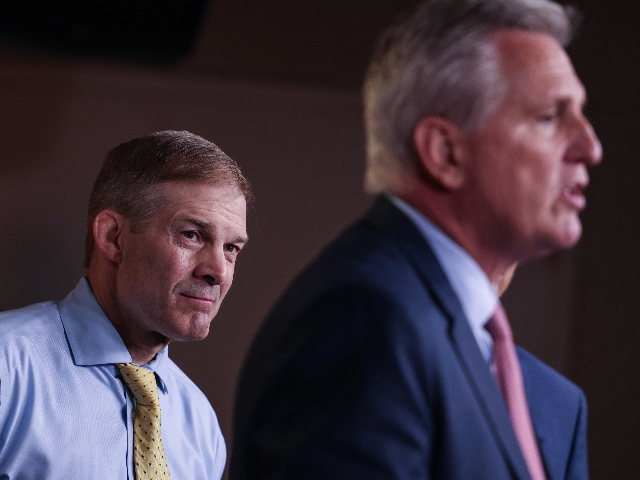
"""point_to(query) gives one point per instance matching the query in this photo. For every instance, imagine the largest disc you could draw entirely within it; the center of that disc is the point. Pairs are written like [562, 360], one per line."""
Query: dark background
[277, 86]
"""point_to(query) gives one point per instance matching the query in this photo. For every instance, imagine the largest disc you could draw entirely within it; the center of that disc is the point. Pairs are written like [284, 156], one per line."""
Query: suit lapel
[540, 421]
[393, 223]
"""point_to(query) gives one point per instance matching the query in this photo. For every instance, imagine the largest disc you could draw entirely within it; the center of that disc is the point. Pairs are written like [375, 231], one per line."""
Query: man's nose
[586, 147]
[212, 266]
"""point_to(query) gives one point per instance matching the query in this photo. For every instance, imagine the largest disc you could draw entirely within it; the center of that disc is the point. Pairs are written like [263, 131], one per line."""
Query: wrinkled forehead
[170, 197]
[200, 190]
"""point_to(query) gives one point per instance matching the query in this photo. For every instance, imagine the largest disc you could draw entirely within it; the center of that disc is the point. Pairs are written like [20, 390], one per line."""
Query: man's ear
[441, 151]
[107, 229]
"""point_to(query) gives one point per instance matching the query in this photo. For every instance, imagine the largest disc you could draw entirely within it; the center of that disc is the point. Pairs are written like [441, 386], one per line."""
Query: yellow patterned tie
[148, 454]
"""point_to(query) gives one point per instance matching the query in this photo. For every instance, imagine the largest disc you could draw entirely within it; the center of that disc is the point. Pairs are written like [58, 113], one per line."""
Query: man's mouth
[199, 297]
[575, 196]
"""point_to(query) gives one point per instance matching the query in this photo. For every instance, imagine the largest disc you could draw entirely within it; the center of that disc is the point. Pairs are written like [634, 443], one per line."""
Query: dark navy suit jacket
[367, 369]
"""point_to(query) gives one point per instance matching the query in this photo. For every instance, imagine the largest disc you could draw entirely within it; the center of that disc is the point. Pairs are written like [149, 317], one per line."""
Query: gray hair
[439, 60]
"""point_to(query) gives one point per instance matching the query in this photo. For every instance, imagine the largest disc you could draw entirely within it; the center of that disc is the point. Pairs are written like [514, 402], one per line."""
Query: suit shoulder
[361, 256]
[355, 280]
[541, 377]
[363, 278]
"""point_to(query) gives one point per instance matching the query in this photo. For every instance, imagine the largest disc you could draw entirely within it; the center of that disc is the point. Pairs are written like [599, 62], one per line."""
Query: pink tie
[509, 378]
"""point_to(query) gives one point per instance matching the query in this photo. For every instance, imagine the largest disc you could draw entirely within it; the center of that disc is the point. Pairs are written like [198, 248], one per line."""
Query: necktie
[509, 379]
[148, 454]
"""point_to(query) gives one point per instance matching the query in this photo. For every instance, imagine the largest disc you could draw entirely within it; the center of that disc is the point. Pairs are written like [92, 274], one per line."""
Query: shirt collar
[93, 340]
[471, 285]
[160, 365]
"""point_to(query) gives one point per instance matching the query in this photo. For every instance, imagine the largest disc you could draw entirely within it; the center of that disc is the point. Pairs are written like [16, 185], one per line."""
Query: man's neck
[437, 208]
[143, 346]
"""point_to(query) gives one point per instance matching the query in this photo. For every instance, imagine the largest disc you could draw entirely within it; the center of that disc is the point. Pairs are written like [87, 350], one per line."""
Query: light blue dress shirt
[65, 412]
[477, 295]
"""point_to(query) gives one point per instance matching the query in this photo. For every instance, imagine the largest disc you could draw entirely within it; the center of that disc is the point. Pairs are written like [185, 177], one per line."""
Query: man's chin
[571, 235]
[194, 327]
[190, 336]
[560, 241]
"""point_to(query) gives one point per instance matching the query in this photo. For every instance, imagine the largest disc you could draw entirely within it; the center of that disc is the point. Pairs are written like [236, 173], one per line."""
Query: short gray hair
[439, 60]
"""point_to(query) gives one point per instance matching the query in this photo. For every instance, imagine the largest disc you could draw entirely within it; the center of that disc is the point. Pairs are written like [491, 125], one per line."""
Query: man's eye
[231, 248]
[190, 235]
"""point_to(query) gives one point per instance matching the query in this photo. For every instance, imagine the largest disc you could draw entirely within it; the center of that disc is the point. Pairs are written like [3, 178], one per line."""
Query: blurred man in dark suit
[376, 363]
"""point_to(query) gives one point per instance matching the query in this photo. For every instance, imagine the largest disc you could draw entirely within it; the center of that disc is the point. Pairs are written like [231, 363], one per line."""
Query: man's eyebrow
[198, 223]
[210, 227]
[243, 240]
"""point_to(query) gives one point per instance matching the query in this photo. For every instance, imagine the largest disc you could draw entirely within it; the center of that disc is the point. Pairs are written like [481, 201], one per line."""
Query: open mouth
[575, 196]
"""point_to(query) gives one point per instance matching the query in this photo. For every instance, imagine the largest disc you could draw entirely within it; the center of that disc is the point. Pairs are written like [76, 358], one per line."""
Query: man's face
[528, 161]
[174, 275]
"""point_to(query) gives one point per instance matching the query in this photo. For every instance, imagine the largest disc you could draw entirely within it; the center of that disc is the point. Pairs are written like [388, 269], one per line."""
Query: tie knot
[498, 325]
[141, 382]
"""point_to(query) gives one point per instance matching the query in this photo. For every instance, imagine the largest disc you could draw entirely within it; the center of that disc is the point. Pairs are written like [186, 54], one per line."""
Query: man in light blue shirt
[167, 219]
